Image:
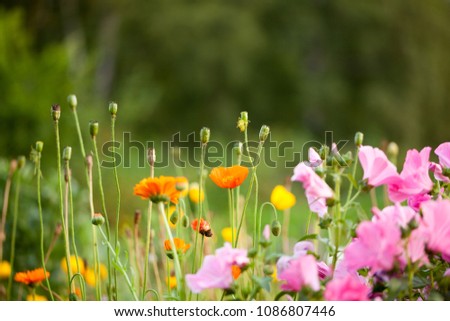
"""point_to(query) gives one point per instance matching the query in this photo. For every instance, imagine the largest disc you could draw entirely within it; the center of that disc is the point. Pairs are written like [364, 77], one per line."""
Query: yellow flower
[281, 198]
[170, 212]
[274, 274]
[194, 194]
[227, 234]
[172, 282]
[36, 297]
[73, 265]
[89, 274]
[5, 269]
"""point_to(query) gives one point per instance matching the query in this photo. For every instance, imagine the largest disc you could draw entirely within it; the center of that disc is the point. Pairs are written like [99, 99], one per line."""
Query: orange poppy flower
[31, 277]
[235, 271]
[203, 229]
[180, 245]
[229, 177]
[158, 189]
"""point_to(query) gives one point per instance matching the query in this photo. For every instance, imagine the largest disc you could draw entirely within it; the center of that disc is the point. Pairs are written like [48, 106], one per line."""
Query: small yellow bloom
[274, 274]
[5, 269]
[36, 297]
[281, 198]
[194, 194]
[227, 234]
[89, 275]
[172, 282]
[73, 265]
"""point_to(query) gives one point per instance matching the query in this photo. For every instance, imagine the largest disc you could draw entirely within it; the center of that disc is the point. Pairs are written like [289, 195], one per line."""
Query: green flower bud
[242, 123]
[359, 139]
[98, 219]
[113, 108]
[67, 153]
[39, 146]
[185, 221]
[93, 128]
[174, 217]
[73, 297]
[56, 112]
[392, 152]
[72, 100]
[264, 133]
[268, 269]
[325, 222]
[252, 252]
[21, 161]
[276, 227]
[204, 135]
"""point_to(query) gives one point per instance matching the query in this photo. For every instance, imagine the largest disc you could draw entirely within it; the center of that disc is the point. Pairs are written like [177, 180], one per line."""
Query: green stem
[231, 208]
[147, 248]
[119, 265]
[337, 218]
[309, 223]
[116, 177]
[41, 220]
[13, 233]
[102, 197]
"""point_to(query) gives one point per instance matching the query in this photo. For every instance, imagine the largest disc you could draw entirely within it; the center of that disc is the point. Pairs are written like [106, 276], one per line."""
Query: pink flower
[436, 223]
[416, 247]
[314, 158]
[317, 191]
[401, 215]
[378, 170]
[414, 178]
[447, 273]
[436, 169]
[377, 246]
[348, 288]
[300, 272]
[216, 270]
[443, 152]
[415, 201]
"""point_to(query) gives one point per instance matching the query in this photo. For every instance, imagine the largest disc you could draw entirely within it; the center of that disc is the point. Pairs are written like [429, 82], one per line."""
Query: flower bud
[252, 252]
[67, 153]
[73, 297]
[113, 108]
[392, 150]
[324, 151]
[72, 100]
[242, 122]
[276, 228]
[21, 161]
[174, 217]
[98, 219]
[204, 135]
[56, 112]
[325, 222]
[264, 133]
[359, 138]
[151, 156]
[184, 221]
[12, 167]
[268, 269]
[39, 146]
[93, 128]
[137, 217]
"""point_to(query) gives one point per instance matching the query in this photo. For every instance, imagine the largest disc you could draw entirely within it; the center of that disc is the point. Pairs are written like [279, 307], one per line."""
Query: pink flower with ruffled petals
[416, 247]
[348, 288]
[414, 178]
[314, 158]
[415, 201]
[436, 222]
[443, 152]
[436, 169]
[401, 215]
[378, 170]
[300, 272]
[316, 190]
[377, 246]
[216, 270]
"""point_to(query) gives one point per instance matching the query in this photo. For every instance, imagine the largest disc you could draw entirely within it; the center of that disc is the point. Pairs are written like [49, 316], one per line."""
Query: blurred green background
[301, 67]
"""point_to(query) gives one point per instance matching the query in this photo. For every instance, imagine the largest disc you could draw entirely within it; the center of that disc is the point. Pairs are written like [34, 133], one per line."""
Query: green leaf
[308, 237]
[263, 282]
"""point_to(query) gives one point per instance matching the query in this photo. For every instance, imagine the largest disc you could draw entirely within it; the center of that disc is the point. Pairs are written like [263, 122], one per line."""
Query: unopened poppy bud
[204, 135]
[39, 146]
[151, 156]
[67, 153]
[359, 139]
[137, 217]
[276, 227]
[56, 112]
[73, 297]
[93, 128]
[184, 221]
[98, 219]
[242, 123]
[174, 217]
[268, 269]
[264, 133]
[72, 100]
[252, 253]
[113, 108]
[21, 161]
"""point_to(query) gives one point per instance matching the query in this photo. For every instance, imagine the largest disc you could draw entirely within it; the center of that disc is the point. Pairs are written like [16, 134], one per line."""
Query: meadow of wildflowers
[394, 247]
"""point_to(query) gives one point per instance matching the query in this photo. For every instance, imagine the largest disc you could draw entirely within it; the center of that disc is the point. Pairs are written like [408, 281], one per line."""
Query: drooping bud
[276, 228]
[203, 228]
[113, 108]
[73, 297]
[39, 146]
[359, 139]
[93, 128]
[67, 153]
[21, 161]
[72, 100]
[174, 217]
[185, 221]
[56, 112]
[264, 133]
[242, 122]
[98, 219]
[204, 135]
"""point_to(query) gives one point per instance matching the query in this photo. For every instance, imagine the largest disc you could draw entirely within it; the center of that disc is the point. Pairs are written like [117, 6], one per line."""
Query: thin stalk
[136, 250]
[13, 233]
[102, 197]
[231, 208]
[5, 205]
[337, 218]
[116, 178]
[65, 226]
[119, 265]
[41, 220]
[56, 234]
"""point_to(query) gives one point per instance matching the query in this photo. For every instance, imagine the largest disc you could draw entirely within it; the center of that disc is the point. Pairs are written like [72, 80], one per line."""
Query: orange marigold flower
[229, 177]
[31, 277]
[203, 229]
[158, 189]
[180, 245]
[235, 271]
